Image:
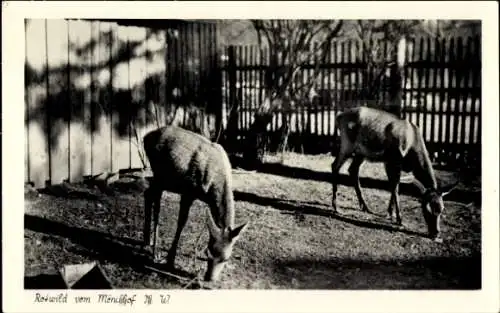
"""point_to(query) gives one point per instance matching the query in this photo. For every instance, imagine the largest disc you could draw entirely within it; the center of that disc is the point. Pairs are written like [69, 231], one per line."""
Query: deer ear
[419, 185]
[234, 234]
[447, 190]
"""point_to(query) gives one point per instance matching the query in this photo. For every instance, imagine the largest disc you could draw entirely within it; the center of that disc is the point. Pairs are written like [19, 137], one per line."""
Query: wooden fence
[94, 88]
[440, 85]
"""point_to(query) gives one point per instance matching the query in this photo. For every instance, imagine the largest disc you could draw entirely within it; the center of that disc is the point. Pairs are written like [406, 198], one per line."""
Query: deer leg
[185, 205]
[336, 165]
[148, 206]
[394, 176]
[354, 172]
[156, 195]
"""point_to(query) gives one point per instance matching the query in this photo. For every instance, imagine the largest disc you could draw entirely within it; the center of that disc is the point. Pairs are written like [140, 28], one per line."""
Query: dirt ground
[293, 241]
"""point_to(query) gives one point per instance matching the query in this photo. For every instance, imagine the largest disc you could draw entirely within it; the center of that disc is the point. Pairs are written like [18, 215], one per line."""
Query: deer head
[433, 206]
[220, 247]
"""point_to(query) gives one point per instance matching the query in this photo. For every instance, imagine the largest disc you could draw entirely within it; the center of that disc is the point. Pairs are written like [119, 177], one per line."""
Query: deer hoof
[334, 208]
[438, 240]
[147, 249]
[170, 265]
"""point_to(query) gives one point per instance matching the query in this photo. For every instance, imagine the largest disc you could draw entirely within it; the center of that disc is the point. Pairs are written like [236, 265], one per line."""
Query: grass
[293, 240]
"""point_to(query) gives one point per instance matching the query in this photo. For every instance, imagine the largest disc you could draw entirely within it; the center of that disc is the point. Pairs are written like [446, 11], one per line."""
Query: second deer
[378, 136]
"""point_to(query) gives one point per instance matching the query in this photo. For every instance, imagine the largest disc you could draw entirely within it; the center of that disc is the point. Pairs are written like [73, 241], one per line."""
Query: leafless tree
[291, 44]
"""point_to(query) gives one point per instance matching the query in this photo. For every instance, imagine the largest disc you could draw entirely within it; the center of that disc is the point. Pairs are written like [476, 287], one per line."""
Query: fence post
[396, 70]
[232, 123]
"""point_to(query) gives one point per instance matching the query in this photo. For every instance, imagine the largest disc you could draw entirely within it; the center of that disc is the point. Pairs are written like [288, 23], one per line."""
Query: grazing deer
[375, 135]
[196, 168]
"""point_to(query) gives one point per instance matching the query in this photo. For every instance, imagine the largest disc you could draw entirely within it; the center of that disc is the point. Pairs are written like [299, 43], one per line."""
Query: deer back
[374, 133]
[181, 158]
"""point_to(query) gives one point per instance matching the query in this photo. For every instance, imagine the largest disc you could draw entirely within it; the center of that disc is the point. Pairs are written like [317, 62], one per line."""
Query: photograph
[277, 154]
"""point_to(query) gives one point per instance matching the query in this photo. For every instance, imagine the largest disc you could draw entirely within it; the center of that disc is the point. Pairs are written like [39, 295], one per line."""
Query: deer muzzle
[214, 269]
[432, 221]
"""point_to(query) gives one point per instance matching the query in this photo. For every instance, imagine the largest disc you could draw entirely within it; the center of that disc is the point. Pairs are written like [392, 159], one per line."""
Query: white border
[15, 299]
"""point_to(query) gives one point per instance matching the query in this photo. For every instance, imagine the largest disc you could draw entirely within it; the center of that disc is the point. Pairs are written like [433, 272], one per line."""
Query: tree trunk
[255, 143]
[284, 132]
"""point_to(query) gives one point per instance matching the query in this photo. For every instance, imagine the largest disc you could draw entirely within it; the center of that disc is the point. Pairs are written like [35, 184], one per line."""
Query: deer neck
[424, 171]
[223, 212]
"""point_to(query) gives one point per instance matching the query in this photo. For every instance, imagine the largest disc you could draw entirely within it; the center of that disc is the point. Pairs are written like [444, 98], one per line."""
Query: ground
[293, 241]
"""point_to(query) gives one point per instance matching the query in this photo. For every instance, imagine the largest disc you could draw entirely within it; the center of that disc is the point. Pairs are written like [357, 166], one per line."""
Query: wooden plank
[314, 107]
[154, 73]
[248, 84]
[413, 73]
[474, 43]
[244, 87]
[214, 84]
[303, 111]
[329, 88]
[383, 88]
[343, 80]
[233, 119]
[477, 40]
[420, 75]
[406, 81]
[58, 108]
[101, 142]
[111, 96]
[216, 111]
[168, 77]
[79, 77]
[191, 85]
[427, 119]
[455, 99]
[175, 84]
[28, 81]
[309, 105]
[181, 59]
[335, 91]
[36, 85]
[187, 59]
[121, 104]
[262, 56]
[449, 112]
[253, 84]
[235, 88]
[137, 77]
[433, 84]
[161, 60]
[442, 49]
[357, 58]
[461, 82]
[470, 97]
[321, 104]
[238, 56]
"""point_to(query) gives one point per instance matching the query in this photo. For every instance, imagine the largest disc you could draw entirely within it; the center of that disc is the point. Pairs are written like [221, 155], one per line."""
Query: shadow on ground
[97, 245]
[426, 273]
[44, 281]
[410, 189]
[310, 208]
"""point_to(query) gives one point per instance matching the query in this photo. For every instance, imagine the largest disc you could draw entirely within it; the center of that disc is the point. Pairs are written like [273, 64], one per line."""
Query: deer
[196, 168]
[379, 136]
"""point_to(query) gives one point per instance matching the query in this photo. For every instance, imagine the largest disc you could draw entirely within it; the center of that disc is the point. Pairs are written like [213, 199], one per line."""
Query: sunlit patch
[82, 81]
